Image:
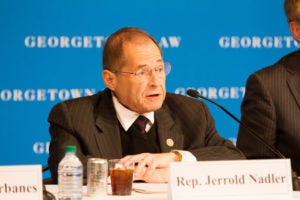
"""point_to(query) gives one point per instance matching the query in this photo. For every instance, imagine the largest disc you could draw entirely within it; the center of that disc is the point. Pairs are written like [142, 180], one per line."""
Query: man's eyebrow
[145, 65]
[142, 65]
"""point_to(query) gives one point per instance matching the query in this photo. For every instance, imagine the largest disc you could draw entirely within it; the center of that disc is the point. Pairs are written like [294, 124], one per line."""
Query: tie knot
[140, 123]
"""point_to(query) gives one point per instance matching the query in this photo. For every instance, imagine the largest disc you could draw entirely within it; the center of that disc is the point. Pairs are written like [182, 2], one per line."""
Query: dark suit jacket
[271, 107]
[91, 124]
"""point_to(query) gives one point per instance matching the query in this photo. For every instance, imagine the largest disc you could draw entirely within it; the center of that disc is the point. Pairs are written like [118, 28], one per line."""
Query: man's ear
[109, 79]
[295, 30]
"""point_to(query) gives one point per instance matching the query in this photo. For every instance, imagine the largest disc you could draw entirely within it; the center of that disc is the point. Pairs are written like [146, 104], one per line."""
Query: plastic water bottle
[70, 176]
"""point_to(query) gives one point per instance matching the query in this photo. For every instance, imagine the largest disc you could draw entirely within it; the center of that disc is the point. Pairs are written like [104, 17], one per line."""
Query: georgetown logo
[258, 42]
[96, 41]
[51, 94]
[224, 92]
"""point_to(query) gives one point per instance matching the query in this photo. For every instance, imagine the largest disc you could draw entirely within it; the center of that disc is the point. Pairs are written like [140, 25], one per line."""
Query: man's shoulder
[179, 99]
[173, 96]
[86, 101]
[184, 107]
[288, 62]
[83, 99]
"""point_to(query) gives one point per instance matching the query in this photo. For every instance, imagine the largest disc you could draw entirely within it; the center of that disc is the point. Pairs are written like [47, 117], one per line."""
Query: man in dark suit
[178, 128]
[271, 106]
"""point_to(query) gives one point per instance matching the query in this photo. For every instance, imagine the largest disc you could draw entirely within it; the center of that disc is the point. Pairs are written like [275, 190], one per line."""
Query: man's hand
[151, 167]
[159, 175]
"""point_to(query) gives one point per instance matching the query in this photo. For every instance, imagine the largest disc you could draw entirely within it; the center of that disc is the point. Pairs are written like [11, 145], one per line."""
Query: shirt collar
[126, 117]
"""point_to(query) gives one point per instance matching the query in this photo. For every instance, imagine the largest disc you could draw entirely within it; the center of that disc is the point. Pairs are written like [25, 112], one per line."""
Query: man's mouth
[153, 95]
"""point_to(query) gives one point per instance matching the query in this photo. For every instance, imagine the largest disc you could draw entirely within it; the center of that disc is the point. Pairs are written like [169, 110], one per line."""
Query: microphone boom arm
[295, 179]
[195, 94]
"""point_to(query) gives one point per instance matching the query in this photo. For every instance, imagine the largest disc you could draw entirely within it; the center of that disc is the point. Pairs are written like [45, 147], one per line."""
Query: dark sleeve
[62, 134]
[258, 113]
[215, 147]
[197, 127]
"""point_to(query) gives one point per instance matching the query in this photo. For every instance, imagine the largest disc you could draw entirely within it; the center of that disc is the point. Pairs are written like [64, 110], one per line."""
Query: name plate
[244, 179]
[22, 182]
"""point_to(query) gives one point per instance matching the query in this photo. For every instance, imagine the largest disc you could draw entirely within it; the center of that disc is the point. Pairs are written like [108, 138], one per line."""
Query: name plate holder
[22, 182]
[235, 180]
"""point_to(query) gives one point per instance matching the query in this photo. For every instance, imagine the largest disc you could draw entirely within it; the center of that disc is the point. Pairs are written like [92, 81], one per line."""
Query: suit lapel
[294, 84]
[292, 63]
[108, 138]
[168, 132]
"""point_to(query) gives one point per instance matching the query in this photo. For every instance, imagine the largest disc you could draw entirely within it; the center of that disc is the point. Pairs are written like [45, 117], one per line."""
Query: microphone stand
[295, 179]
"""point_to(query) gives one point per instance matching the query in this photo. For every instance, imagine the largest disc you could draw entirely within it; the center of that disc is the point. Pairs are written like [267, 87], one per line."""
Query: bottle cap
[70, 148]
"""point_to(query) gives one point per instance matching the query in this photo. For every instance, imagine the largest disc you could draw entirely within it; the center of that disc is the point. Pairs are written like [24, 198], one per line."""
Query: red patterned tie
[140, 123]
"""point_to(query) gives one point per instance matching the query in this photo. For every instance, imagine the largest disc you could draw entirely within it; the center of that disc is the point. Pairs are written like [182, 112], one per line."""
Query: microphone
[196, 94]
[295, 179]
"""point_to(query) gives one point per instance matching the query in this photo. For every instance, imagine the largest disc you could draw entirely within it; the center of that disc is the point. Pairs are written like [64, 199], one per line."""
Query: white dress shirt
[126, 118]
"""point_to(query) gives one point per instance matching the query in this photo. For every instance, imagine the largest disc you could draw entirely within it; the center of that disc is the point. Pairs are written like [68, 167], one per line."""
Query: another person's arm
[258, 113]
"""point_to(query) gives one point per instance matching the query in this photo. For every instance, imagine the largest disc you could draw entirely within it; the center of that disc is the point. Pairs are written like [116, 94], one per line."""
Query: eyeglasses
[146, 71]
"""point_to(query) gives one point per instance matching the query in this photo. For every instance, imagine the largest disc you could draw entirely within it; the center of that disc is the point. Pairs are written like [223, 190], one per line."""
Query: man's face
[141, 93]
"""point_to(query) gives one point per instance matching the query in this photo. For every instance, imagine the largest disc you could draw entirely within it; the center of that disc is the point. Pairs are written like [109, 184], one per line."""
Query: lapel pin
[170, 142]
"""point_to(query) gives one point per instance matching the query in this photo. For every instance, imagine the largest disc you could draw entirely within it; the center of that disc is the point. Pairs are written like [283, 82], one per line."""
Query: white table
[147, 192]
[155, 192]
